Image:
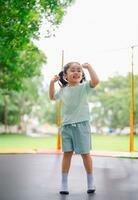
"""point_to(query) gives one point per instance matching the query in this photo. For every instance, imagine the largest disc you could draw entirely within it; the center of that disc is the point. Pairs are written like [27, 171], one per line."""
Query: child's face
[74, 74]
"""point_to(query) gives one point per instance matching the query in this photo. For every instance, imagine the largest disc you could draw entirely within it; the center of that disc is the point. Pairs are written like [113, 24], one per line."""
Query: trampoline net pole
[132, 107]
[59, 111]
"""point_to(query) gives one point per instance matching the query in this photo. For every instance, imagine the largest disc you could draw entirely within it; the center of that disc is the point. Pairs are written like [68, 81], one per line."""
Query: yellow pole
[132, 105]
[58, 123]
[59, 111]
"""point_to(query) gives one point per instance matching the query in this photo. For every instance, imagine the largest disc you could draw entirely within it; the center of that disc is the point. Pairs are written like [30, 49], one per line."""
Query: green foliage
[24, 64]
[57, 8]
[32, 101]
[23, 102]
[111, 102]
[20, 22]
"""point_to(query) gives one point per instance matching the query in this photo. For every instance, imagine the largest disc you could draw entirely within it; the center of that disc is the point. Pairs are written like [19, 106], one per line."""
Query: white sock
[64, 182]
[90, 181]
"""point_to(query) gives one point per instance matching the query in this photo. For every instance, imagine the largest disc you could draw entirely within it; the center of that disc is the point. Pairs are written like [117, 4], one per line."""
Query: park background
[32, 39]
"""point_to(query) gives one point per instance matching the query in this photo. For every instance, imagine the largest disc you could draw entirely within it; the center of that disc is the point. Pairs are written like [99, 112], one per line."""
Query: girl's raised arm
[94, 80]
[52, 86]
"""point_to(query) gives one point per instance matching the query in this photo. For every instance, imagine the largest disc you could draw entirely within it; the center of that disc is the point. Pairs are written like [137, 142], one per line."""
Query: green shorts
[76, 137]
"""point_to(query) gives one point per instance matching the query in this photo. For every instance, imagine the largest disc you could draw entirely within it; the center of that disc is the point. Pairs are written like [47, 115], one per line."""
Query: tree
[111, 103]
[20, 22]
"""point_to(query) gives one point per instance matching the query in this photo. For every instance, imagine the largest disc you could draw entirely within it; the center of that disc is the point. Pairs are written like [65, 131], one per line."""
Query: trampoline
[37, 177]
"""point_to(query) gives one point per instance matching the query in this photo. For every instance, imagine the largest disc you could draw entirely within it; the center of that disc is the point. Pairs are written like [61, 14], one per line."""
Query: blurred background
[32, 39]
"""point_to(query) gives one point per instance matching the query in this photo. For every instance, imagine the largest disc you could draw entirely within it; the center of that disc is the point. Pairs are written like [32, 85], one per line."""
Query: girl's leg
[66, 161]
[87, 160]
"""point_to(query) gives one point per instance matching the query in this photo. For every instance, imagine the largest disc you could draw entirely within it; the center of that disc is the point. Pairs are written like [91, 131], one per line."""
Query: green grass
[99, 142]
[113, 142]
[23, 141]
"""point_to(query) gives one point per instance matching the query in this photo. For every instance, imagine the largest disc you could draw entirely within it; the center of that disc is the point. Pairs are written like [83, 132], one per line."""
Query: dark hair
[62, 81]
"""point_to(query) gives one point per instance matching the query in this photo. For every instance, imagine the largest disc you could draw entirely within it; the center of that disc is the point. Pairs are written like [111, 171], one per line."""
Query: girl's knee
[86, 155]
[68, 154]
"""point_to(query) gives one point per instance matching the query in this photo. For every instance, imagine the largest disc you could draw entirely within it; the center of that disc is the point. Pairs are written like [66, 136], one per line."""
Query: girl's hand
[86, 65]
[55, 78]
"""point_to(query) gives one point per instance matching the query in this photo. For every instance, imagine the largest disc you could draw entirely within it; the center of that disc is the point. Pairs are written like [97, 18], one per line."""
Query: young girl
[75, 130]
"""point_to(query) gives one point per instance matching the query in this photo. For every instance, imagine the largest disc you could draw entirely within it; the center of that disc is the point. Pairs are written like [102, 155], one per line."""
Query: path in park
[37, 177]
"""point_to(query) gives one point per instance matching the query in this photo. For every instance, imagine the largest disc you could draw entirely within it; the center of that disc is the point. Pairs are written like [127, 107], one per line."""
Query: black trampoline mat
[37, 177]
